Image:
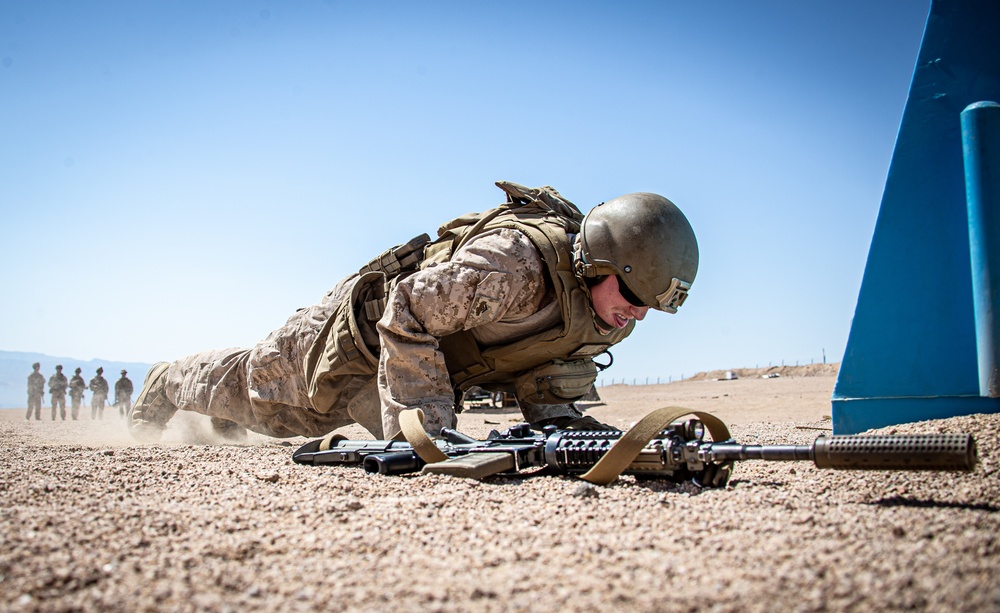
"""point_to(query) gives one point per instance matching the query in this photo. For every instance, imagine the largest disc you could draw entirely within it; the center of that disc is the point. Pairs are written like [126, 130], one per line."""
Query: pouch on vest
[392, 263]
[557, 382]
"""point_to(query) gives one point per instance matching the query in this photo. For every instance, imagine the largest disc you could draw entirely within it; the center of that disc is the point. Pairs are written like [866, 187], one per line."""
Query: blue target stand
[924, 340]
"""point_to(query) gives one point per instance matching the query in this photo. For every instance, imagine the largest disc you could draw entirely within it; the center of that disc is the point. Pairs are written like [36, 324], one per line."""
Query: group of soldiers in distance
[76, 386]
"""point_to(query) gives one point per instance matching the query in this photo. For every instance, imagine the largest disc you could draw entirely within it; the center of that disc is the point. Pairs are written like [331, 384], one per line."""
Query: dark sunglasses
[628, 294]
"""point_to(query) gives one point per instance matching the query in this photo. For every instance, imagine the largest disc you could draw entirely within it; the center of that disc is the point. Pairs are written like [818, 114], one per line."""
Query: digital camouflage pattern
[494, 286]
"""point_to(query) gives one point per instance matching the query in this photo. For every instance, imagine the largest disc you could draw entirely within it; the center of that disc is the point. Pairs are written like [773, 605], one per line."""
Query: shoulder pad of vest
[546, 197]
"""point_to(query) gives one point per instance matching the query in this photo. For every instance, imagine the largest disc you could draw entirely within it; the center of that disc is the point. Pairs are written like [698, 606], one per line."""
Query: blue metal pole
[981, 149]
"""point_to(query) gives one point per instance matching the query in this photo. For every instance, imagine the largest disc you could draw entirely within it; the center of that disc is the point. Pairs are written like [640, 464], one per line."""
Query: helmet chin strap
[602, 326]
[585, 270]
[581, 268]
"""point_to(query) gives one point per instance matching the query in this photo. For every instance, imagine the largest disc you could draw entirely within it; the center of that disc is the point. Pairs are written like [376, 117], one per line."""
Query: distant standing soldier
[57, 387]
[77, 386]
[123, 394]
[99, 386]
[36, 391]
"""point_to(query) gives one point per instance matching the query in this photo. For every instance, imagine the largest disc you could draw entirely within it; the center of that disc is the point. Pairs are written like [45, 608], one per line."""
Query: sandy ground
[91, 521]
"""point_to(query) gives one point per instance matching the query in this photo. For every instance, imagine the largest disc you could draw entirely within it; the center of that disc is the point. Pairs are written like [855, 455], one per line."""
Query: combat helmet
[100, 369]
[78, 370]
[647, 242]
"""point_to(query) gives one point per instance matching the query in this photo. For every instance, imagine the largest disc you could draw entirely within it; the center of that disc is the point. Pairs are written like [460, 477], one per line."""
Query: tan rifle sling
[411, 422]
[627, 448]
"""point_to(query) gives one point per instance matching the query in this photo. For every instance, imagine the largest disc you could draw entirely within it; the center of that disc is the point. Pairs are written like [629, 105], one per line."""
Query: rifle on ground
[677, 453]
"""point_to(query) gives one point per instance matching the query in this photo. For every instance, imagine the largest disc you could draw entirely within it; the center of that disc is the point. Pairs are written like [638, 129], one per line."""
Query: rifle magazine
[473, 465]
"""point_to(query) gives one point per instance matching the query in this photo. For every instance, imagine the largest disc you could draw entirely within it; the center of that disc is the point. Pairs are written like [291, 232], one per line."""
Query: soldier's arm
[496, 276]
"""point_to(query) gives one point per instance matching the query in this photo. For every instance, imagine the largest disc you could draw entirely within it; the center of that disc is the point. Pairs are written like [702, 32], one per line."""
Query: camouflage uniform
[99, 387]
[57, 387]
[77, 386]
[36, 392]
[266, 388]
[497, 287]
[123, 394]
[501, 264]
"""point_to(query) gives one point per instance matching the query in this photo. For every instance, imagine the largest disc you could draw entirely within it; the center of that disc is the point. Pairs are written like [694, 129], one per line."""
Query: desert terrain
[92, 521]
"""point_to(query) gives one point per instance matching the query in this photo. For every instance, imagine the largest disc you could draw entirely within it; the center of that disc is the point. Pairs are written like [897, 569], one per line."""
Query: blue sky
[181, 176]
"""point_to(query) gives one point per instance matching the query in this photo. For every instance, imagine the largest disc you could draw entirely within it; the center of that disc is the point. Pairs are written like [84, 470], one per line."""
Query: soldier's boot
[229, 430]
[148, 417]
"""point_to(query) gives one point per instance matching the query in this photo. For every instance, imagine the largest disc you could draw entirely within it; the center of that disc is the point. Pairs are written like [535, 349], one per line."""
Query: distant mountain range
[15, 366]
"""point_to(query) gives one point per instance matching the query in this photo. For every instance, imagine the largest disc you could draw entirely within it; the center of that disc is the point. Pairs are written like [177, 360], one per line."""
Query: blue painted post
[981, 149]
[912, 353]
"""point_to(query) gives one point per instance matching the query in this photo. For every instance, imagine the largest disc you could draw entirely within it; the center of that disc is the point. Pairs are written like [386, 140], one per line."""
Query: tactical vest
[551, 366]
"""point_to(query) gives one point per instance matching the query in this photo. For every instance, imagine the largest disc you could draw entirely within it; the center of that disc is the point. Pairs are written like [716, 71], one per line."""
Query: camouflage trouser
[34, 405]
[218, 384]
[265, 389]
[58, 401]
[97, 406]
[75, 403]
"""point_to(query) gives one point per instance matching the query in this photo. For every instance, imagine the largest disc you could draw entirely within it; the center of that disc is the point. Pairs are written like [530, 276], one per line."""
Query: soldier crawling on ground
[521, 299]
[99, 387]
[77, 386]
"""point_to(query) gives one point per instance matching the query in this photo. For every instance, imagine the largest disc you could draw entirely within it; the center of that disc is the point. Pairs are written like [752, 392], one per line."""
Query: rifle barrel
[724, 452]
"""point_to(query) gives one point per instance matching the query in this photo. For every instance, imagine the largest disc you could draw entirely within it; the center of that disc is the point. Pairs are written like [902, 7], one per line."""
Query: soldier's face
[612, 307]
